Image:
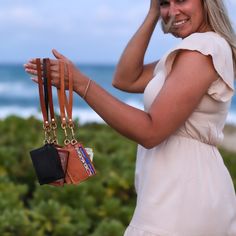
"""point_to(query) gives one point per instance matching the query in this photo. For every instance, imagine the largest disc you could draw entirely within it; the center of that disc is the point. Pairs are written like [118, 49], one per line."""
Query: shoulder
[207, 55]
[208, 43]
[193, 65]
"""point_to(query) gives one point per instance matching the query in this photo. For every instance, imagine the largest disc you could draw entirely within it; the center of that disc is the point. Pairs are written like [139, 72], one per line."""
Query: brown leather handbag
[80, 166]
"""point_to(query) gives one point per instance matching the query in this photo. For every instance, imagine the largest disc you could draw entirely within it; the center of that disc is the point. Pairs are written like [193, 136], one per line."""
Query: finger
[55, 66]
[55, 69]
[55, 75]
[34, 61]
[53, 62]
[58, 55]
[31, 71]
[30, 66]
[34, 79]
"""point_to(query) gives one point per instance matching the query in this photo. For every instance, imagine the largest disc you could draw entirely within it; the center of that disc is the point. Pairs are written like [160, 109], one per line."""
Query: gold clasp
[66, 140]
[47, 131]
[54, 135]
[71, 126]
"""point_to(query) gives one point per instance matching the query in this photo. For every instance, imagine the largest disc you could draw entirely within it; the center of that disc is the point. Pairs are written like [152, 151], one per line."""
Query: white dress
[183, 187]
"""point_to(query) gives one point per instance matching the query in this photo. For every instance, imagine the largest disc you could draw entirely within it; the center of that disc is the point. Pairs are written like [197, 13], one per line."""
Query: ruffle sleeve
[209, 44]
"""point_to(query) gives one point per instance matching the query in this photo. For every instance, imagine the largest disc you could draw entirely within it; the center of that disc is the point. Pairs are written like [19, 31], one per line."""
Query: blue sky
[88, 31]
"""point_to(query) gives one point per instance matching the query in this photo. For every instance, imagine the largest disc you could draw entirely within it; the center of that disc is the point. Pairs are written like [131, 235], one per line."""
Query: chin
[181, 34]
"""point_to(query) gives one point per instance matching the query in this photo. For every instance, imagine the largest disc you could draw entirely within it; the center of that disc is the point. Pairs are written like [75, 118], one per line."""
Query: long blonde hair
[218, 19]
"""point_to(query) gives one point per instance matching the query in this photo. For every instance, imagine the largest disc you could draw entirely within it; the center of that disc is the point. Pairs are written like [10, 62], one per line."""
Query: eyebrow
[164, 1]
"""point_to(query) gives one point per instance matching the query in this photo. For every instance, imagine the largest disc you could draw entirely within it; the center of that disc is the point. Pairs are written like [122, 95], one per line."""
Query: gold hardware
[71, 124]
[66, 141]
[73, 141]
[54, 135]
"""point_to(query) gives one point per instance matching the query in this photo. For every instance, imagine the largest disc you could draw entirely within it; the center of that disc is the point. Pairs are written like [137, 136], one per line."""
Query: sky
[86, 31]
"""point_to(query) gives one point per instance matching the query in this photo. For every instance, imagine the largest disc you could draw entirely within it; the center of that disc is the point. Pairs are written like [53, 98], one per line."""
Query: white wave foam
[85, 115]
[19, 111]
[18, 90]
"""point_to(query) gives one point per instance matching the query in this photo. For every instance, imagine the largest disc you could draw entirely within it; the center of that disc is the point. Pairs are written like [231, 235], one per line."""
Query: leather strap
[49, 90]
[66, 104]
[70, 105]
[60, 93]
[49, 99]
[41, 93]
[45, 85]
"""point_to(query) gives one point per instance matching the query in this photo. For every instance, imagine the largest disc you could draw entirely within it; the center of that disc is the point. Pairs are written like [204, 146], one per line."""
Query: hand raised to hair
[155, 7]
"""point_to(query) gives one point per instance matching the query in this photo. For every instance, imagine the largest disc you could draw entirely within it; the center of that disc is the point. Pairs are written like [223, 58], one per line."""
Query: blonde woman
[183, 187]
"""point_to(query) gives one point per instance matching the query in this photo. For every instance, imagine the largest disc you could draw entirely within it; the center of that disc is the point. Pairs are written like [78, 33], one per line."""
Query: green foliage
[230, 162]
[101, 206]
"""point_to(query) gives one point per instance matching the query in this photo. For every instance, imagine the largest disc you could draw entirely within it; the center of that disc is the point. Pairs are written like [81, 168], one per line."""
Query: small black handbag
[47, 165]
[46, 159]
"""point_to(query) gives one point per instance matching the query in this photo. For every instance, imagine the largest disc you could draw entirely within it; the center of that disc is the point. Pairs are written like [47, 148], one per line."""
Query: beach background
[19, 97]
[92, 34]
[32, 29]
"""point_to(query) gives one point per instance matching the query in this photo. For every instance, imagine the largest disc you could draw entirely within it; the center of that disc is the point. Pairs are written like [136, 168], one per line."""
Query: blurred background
[92, 34]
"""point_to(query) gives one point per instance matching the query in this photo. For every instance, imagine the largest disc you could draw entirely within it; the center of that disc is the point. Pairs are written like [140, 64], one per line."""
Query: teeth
[179, 22]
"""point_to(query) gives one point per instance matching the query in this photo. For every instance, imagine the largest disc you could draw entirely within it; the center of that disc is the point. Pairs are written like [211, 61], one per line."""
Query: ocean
[19, 95]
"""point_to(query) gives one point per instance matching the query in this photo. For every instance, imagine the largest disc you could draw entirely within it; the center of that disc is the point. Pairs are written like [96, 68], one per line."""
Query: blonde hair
[218, 19]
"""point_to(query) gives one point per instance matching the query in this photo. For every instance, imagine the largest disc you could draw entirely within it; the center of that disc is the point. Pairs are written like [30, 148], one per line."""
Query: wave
[19, 90]
[84, 115]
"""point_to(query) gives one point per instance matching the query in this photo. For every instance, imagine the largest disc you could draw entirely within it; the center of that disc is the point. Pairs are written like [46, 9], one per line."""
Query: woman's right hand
[131, 74]
[155, 7]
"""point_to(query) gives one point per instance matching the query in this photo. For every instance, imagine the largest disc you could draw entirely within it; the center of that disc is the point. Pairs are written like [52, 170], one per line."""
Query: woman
[183, 187]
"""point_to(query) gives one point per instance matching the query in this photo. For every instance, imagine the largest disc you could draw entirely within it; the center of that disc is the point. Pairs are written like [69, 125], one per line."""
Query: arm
[131, 75]
[191, 75]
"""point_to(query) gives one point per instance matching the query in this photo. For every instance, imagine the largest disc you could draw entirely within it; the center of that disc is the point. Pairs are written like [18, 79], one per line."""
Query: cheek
[198, 19]
[164, 14]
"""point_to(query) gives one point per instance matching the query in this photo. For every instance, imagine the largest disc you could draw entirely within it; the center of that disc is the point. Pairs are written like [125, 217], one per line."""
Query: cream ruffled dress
[183, 187]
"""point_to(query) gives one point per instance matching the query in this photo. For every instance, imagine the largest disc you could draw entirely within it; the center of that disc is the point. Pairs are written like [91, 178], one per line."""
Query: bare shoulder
[194, 64]
[189, 79]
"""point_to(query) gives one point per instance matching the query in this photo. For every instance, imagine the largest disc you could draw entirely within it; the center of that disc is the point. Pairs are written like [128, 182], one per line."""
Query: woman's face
[187, 15]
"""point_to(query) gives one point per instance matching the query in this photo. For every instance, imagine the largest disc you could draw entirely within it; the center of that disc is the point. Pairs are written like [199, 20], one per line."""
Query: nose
[173, 10]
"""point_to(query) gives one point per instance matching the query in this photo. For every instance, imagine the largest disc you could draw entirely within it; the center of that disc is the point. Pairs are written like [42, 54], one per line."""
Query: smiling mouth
[177, 24]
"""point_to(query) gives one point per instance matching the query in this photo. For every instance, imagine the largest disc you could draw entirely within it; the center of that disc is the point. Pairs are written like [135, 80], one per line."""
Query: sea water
[19, 94]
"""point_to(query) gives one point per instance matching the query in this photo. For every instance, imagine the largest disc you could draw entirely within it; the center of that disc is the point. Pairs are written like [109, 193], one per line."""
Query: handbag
[50, 160]
[63, 153]
[80, 166]
[45, 159]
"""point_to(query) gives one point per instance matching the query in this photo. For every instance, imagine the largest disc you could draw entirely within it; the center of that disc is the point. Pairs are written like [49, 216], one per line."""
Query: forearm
[128, 121]
[130, 65]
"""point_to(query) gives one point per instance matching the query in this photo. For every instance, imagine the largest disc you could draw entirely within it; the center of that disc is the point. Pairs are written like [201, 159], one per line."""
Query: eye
[164, 3]
[180, 1]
